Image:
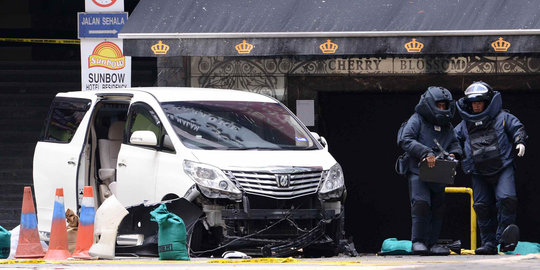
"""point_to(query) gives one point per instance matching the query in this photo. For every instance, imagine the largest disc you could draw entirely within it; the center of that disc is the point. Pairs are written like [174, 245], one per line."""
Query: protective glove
[521, 150]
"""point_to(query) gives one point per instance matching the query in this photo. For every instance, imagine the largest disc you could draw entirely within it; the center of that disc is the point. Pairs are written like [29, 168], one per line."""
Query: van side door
[57, 156]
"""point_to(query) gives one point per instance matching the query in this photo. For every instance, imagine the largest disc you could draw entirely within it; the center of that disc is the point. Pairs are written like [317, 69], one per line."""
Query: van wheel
[194, 239]
[335, 230]
[201, 242]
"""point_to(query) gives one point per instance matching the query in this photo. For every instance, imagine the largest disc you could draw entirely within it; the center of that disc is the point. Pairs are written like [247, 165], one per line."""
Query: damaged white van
[261, 180]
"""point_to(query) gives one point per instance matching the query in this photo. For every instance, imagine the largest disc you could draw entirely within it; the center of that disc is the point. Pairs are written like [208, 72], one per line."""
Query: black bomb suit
[426, 124]
[488, 138]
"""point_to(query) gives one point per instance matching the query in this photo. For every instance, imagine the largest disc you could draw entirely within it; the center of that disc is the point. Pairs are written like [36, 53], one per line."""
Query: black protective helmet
[440, 94]
[427, 106]
[479, 91]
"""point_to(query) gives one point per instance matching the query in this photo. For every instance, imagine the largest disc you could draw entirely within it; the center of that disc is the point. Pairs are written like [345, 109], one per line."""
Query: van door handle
[121, 164]
[71, 163]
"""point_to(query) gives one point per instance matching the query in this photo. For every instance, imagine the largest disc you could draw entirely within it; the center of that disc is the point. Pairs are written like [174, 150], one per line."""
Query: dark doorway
[361, 132]
[361, 128]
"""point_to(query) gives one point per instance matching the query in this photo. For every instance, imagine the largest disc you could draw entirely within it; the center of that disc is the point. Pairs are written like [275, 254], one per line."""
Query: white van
[253, 168]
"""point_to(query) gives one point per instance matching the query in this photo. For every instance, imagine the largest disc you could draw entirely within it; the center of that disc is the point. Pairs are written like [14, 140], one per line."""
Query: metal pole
[473, 214]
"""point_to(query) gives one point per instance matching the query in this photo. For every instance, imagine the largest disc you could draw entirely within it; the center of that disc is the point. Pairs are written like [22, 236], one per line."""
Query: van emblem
[283, 180]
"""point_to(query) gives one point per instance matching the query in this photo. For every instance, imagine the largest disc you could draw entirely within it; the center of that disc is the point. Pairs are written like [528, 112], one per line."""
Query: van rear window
[64, 118]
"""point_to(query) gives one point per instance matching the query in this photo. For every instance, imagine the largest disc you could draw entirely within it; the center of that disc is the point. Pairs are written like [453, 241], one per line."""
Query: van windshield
[236, 125]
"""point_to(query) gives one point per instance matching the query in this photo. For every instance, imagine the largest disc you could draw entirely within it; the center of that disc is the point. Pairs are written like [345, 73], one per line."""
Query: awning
[331, 27]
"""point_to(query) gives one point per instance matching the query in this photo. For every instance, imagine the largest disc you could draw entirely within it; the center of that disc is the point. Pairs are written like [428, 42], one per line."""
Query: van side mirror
[143, 137]
[320, 139]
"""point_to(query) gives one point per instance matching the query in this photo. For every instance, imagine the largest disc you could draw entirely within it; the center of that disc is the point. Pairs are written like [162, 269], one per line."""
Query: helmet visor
[476, 89]
[442, 105]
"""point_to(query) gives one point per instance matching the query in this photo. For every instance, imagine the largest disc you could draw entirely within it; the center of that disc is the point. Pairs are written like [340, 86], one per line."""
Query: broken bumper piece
[138, 222]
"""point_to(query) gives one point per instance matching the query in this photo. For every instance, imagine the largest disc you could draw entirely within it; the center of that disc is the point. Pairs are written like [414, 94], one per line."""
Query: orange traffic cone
[85, 234]
[58, 246]
[29, 245]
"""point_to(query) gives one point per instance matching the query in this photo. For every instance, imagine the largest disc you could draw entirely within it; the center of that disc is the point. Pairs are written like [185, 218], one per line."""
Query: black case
[443, 172]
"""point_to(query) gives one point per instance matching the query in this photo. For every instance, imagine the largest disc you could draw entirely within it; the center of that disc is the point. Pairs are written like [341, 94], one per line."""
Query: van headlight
[333, 183]
[212, 182]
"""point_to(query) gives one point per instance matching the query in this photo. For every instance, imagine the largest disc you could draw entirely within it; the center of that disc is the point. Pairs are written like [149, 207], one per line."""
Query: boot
[455, 246]
[418, 248]
[487, 249]
[509, 238]
[439, 250]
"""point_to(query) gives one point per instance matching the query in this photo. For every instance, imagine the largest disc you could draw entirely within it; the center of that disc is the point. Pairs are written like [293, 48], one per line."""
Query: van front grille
[293, 185]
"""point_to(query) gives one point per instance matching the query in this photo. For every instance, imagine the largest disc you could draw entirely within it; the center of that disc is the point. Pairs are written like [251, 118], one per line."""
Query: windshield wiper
[256, 148]
[290, 147]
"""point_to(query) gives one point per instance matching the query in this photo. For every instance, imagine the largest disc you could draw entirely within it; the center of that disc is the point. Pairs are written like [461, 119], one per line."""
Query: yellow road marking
[258, 260]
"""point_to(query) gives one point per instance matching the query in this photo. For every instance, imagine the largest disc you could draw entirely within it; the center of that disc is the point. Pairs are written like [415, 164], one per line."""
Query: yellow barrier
[473, 214]
[42, 40]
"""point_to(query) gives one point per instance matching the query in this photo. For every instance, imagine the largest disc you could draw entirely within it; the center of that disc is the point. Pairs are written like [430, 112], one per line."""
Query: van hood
[235, 159]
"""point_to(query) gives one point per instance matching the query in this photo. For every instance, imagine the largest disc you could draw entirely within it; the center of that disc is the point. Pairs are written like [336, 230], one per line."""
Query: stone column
[172, 71]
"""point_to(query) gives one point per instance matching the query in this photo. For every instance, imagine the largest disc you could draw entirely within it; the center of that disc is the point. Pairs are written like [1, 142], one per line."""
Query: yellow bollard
[473, 214]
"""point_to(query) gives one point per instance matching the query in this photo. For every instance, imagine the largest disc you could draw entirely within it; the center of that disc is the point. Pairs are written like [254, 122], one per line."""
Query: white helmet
[478, 91]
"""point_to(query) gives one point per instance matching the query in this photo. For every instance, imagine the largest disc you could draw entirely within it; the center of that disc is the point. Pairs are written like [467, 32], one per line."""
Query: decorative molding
[267, 75]
[233, 66]
[254, 75]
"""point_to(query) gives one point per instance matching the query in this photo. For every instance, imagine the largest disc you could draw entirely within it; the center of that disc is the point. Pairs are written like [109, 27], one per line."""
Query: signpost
[101, 25]
[103, 64]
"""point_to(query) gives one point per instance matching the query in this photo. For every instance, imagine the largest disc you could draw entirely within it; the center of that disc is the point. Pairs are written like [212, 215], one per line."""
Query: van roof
[165, 94]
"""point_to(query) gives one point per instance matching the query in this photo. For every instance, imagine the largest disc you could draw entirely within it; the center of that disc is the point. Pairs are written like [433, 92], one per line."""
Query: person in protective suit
[488, 135]
[430, 121]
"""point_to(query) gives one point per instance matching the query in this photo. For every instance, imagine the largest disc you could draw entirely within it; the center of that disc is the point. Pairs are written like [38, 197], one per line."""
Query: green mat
[524, 248]
[392, 246]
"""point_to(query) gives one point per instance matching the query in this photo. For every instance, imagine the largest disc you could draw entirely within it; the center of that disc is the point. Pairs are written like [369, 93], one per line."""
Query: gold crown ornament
[500, 45]
[329, 47]
[243, 47]
[414, 46]
[160, 48]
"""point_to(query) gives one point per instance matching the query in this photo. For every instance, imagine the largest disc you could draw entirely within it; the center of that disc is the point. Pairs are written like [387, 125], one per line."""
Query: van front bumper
[271, 247]
[281, 228]
[275, 214]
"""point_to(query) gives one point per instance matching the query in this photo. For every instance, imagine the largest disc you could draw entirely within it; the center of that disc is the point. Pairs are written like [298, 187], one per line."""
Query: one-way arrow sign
[113, 32]
[101, 25]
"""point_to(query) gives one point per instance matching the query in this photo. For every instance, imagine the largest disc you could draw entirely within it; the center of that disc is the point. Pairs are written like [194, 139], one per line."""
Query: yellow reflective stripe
[29, 261]
[41, 40]
[388, 262]
[258, 260]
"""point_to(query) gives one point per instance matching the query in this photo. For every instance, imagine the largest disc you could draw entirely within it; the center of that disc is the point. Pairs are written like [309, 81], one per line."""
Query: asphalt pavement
[368, 261]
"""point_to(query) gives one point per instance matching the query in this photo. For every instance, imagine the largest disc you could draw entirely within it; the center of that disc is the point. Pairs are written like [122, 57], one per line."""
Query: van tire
[335, 230]
[201, 242]
[194, 239]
